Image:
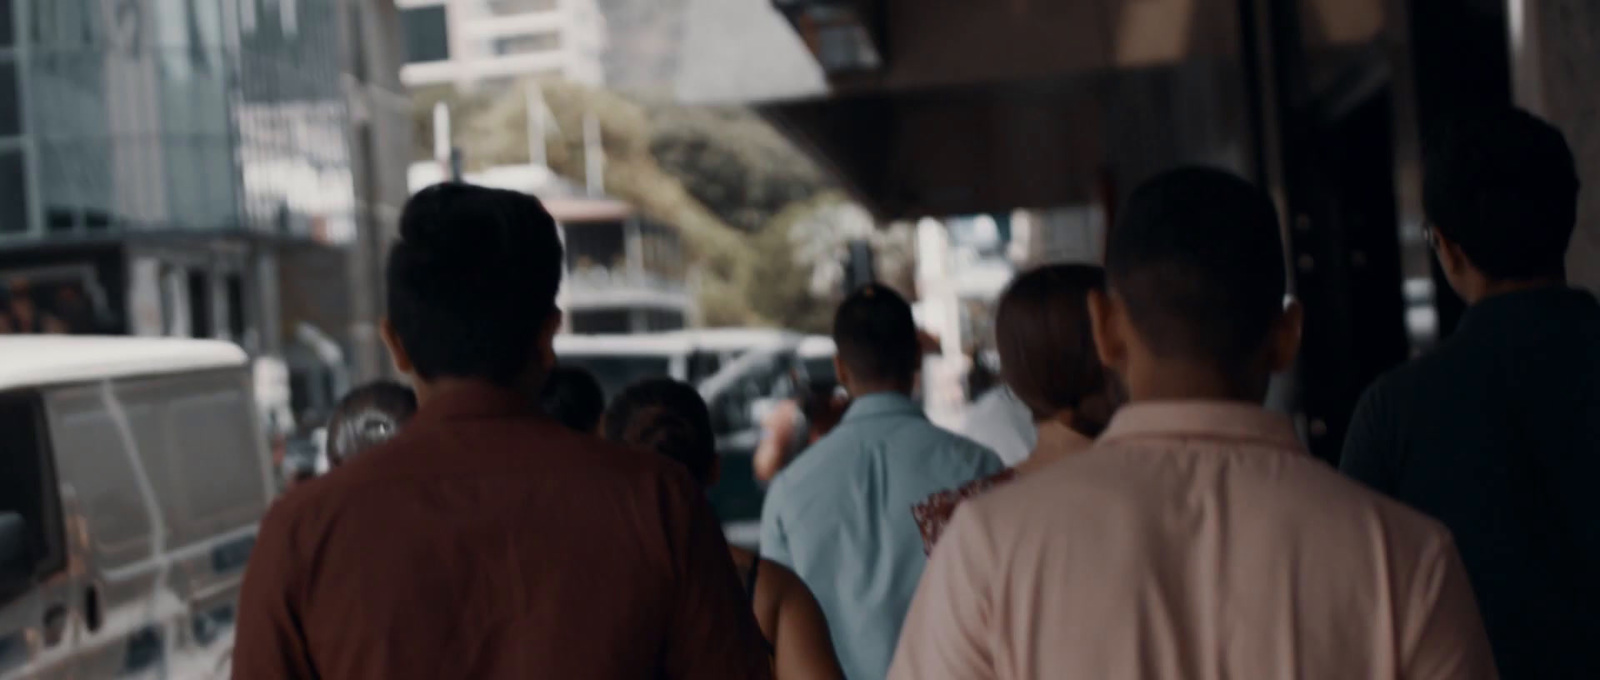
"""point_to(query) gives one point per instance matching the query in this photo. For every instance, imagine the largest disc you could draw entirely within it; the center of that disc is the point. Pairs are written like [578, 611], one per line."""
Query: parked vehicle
[135, 475]
[618, 361]
[740, 396]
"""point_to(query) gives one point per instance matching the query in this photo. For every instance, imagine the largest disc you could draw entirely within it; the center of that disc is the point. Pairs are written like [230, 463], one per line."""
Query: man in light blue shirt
[840, 515]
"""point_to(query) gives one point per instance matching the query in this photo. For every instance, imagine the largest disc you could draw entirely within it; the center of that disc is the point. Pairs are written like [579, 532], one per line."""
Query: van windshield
[617, 373]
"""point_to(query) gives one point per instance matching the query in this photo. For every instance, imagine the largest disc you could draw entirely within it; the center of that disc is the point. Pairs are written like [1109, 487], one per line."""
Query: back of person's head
[369, 415]
[472, 285]
[877, 340]
[1195, 263]
[669, 418]
[1502, 186]
[1047, 354]
[573, 397]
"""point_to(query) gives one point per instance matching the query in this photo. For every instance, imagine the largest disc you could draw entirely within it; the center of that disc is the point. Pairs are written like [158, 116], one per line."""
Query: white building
[472, 43]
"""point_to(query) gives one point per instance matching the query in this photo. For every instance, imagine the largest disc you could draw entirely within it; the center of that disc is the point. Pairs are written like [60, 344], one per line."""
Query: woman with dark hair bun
[1048, 360]
[574, 397]
[670, 418]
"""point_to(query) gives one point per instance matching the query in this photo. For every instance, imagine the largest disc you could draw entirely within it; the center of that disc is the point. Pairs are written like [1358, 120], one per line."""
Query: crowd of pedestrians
[1162, 523]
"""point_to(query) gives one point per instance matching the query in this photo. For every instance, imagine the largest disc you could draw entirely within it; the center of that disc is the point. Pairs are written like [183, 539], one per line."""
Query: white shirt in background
[1000, 422]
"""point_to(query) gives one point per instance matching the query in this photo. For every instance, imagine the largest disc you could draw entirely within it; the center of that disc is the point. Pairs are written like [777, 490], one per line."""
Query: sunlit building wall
[492, 43]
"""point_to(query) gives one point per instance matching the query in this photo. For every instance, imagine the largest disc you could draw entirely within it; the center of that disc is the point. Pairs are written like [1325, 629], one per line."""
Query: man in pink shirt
[1197, 539]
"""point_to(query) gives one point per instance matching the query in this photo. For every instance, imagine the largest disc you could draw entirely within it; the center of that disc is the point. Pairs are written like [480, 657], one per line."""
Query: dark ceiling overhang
[989, 106]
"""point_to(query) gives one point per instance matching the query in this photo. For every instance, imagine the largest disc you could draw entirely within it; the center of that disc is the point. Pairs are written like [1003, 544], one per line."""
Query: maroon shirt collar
[475, 400]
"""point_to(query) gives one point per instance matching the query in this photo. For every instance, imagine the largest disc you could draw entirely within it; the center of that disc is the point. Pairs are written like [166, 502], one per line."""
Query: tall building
[165, 166]
[468, 43]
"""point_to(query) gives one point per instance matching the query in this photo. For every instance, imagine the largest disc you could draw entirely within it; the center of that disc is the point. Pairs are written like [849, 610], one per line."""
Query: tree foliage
[759, 219]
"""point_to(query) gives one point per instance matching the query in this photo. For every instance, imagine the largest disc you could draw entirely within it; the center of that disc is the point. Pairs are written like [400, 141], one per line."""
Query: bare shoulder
[781, 591]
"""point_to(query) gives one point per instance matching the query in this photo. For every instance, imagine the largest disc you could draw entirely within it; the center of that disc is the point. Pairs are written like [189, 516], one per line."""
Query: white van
[135, 472]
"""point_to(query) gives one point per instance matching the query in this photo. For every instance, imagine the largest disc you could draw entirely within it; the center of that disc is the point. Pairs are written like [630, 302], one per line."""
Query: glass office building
[124, 116]
[185, 167]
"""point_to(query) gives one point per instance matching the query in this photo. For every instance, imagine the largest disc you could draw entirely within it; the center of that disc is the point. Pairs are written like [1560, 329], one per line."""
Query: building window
[236, 311]
[532, 43]
[8, 30]
[199, 305]
[427, 34]
[10, 102]
[602, 322]
[13, 194]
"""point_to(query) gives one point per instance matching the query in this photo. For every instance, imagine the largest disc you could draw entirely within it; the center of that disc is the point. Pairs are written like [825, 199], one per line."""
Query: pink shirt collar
[1216, 420]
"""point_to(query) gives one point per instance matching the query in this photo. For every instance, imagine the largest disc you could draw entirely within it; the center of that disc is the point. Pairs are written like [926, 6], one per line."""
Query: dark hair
[1047, 354]
[573, 397]
[876, 335]
[367, 416]
[1504, 187]
[669, 418]
[820, 404]
[472, 281]
[1197, 259]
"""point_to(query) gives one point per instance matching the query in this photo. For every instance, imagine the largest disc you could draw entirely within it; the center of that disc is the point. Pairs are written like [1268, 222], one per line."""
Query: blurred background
[725, 170]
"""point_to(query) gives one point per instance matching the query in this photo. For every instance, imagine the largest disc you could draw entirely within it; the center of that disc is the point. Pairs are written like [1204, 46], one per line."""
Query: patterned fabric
[934, 514]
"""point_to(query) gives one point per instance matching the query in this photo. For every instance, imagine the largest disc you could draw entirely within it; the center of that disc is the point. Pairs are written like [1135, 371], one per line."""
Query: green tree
[756, 215]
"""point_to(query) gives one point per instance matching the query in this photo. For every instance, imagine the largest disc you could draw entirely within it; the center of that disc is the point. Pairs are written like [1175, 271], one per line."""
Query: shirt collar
[882, 404]
[475, 400]
[1513, 310]
[1218, 420]
[1055, 435]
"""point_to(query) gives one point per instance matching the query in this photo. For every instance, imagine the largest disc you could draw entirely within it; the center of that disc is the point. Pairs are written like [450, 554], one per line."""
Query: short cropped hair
[1047, 354]
[369, 415]
[1197, 259]
[667, 417]
[574, 398]
[1503, 186]
[472, 281]
[876, 335]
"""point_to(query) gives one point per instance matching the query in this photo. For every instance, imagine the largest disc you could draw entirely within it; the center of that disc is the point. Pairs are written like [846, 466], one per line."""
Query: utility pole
[594, 155]
[445, 153]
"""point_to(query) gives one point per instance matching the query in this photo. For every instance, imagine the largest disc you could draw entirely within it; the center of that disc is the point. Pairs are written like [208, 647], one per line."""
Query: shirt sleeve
[1443, 635]
[774, 542]
[946, 633]
[269, 643]
[1369, 445]
[713, 633]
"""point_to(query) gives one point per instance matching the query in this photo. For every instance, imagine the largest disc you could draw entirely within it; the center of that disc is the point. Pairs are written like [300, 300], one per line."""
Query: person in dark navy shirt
[1497, 433]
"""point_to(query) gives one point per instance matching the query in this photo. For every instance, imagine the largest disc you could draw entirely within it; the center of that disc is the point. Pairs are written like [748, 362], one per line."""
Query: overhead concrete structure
[952, 107]
[978, 107]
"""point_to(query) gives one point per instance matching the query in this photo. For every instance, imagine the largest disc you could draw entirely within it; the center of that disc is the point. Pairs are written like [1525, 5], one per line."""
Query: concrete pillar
[1555, 62]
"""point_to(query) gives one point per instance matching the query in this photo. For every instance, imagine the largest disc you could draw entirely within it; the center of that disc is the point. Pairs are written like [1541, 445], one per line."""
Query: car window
[27, 487]
[617, 373]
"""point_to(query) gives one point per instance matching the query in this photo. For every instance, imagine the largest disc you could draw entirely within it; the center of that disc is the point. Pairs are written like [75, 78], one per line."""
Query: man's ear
[842, 373]
[402, 359]
[1453, 260]
[1105, 320]
[547, 339]
[1284, 344]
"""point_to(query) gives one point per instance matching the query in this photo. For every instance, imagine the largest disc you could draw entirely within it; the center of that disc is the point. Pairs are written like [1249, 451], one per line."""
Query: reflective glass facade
[173, 115]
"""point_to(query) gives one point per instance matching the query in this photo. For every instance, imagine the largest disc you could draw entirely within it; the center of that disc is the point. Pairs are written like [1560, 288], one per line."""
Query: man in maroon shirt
[487, 541]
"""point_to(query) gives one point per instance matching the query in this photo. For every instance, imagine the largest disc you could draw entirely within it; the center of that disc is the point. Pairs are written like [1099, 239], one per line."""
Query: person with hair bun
[488, 540]
[670, 418]
[1048, 361]
[574, 397]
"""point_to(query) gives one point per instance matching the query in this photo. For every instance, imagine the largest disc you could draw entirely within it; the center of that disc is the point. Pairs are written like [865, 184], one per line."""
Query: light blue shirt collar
[881, 404]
